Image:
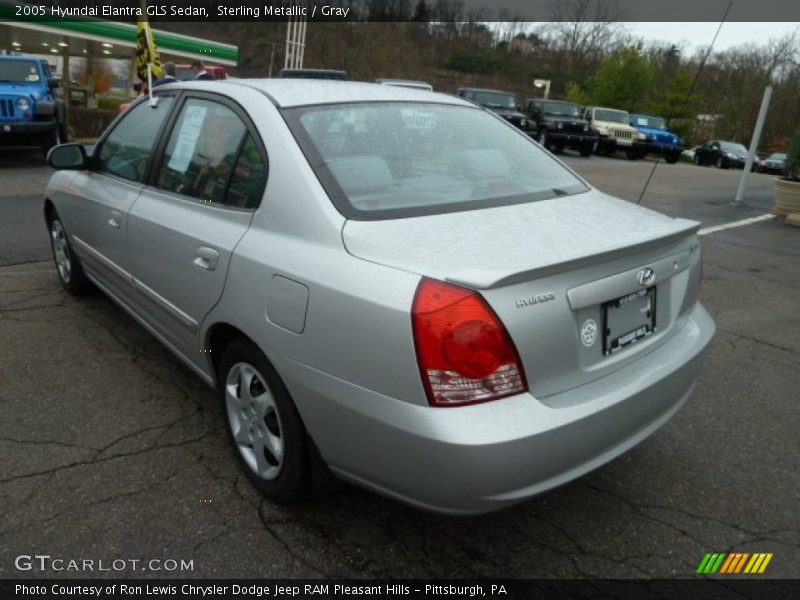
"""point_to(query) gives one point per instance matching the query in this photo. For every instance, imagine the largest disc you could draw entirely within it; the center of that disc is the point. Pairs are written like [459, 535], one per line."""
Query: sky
[700, 34]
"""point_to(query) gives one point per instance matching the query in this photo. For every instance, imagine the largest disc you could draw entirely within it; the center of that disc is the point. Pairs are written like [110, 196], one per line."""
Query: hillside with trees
[586, 51]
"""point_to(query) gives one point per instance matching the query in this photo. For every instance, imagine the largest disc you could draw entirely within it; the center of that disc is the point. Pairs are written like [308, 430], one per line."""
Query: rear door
[209, 177]
[96, 211]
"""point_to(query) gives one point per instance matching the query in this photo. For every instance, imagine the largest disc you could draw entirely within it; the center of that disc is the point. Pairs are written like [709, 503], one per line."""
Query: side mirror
[71, 157]
[53, 83]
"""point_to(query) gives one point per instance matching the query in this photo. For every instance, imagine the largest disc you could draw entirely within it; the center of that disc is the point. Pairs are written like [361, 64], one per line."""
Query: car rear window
[399, 159]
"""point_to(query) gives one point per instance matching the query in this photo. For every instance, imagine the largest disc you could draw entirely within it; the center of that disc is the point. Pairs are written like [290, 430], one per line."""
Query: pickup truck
[659, 139]
[557, 125]
[30, 114]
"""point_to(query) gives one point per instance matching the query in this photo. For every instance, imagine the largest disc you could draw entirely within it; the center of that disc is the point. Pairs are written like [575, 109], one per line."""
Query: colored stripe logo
[734, 563]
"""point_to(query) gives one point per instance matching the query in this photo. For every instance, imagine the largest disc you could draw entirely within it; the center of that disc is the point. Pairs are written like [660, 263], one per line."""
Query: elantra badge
[646, 276]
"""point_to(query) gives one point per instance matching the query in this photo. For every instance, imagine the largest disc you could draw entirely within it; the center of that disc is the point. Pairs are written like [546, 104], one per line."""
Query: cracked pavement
[112, 449]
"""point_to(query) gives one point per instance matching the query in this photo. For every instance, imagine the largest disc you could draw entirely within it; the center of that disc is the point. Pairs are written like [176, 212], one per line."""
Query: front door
[97, 218]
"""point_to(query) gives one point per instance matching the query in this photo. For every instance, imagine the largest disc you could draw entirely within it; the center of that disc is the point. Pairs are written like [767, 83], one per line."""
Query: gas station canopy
[36, 34]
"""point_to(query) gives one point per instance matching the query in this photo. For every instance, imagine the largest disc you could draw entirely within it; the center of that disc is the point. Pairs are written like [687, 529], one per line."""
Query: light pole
[543, 83]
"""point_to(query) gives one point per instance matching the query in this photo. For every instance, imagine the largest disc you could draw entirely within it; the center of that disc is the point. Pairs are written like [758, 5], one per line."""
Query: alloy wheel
[61, 251]
[254, 420]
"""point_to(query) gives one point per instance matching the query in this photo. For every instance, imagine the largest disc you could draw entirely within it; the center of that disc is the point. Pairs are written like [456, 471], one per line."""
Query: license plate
[628, 319]
[624, 142]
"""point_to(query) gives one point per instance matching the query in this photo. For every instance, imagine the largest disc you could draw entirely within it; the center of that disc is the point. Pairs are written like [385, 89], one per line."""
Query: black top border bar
[392, 11]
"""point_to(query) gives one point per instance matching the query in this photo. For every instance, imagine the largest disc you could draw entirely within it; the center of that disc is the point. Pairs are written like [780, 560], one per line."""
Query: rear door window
[202, 151]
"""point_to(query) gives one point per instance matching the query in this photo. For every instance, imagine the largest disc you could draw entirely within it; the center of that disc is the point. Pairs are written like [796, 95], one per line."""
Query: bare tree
[582, 32]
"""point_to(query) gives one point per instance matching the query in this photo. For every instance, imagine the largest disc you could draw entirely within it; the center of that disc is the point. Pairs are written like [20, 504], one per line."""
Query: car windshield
[652, 122]
[777, 157]
[615, 116]
[389, 160]
[495, 99]
[560, 109]
[733, 147]
[19, 71]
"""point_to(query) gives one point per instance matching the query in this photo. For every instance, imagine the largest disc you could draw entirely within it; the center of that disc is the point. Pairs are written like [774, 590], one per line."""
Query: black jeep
[502, 103]
[557, 125]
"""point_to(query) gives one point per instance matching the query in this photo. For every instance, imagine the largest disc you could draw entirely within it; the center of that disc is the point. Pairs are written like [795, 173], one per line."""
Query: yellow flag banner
[147, 52]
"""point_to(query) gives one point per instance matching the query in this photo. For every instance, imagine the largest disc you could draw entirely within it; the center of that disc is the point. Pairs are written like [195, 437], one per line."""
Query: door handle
[116, 216]
[206, 258]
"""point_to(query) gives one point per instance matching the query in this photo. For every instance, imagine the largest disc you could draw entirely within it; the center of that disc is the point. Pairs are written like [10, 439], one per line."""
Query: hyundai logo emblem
[646, 276]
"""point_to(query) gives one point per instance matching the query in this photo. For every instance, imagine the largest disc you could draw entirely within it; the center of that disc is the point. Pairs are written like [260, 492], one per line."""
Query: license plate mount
[628, 319]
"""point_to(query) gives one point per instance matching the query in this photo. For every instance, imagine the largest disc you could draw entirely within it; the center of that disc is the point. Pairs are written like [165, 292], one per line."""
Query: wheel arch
[49, 210]
[218, 337]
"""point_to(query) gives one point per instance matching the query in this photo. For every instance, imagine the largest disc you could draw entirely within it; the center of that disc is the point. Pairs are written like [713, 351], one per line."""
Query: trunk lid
[548, 268]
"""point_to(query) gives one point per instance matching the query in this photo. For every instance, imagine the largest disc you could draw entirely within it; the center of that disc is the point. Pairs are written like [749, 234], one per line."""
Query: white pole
[302, 43]
[762, 116]
[150, 82]
[295, 43]
[288, 46]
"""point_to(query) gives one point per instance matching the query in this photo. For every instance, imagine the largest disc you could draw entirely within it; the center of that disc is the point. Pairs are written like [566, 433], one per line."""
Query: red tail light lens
[465, 353]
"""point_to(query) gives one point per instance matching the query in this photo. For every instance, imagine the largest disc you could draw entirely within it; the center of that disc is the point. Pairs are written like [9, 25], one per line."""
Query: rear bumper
[485, 457]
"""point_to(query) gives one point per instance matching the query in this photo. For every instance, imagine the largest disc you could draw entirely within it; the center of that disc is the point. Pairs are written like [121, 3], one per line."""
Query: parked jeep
[615, 132]
[659, 139]
[29, 112]
[557, 125]
[502, 103]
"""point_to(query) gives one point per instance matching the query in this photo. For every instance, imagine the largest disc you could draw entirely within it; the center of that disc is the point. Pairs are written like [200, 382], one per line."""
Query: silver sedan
[387, 285]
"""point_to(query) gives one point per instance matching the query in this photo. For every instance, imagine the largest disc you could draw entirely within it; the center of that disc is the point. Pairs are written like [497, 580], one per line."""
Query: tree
[581, 33]
[422, 14]
[623, 80]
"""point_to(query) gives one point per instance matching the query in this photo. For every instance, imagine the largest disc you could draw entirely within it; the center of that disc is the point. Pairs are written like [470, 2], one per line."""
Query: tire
[671, 159]
[53, 138]
[558, 149]
[631, 154]
[585, 150]
[720, 164]
[542, 138]
[263, 426]
[696, 160]
[68, 266]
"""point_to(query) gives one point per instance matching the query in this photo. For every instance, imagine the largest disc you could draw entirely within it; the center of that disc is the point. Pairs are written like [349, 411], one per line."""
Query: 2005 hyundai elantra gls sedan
[391, 284]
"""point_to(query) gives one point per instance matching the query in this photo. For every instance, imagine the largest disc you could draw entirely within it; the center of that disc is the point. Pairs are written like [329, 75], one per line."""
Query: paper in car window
[641, 121]
[192, 125]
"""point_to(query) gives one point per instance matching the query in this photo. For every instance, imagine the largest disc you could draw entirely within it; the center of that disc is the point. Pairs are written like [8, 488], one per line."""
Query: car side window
[202, 150]
[126, 150]
[249, 177]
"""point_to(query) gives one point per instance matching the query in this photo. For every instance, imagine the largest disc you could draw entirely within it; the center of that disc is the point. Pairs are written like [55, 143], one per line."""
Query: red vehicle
[185, 73]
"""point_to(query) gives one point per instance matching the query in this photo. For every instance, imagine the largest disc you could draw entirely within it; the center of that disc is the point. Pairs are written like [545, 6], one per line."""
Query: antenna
[689, 93]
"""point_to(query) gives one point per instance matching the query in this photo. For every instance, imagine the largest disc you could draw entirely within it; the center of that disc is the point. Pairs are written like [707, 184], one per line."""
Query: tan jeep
[615, 132]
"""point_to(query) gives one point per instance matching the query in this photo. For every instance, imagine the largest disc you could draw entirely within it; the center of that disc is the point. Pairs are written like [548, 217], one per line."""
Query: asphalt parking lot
[112, 450]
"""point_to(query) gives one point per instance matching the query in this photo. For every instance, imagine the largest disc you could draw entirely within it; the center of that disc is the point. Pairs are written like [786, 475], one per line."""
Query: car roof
[286, 93]
[414, 81]
[21, 57]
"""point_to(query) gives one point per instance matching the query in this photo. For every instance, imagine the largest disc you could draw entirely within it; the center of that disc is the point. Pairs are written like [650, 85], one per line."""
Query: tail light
[464, 352]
